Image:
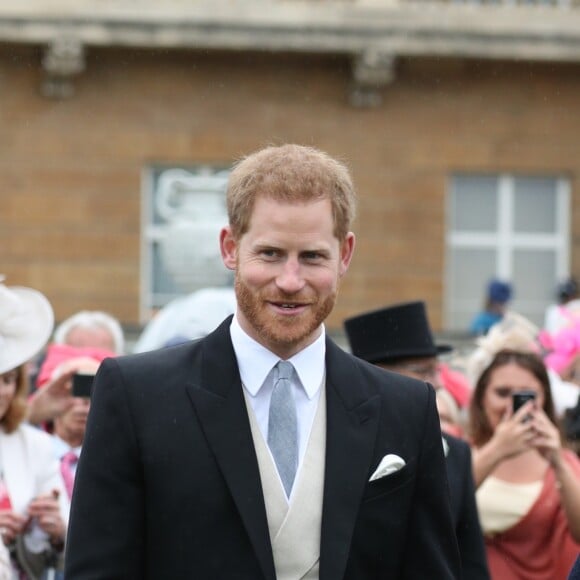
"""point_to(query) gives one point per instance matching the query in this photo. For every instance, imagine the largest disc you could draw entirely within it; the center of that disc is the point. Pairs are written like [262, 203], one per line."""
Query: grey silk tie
[283, 426]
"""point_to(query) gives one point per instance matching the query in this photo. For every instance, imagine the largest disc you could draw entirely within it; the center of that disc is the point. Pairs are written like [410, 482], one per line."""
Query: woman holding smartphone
[528, 492]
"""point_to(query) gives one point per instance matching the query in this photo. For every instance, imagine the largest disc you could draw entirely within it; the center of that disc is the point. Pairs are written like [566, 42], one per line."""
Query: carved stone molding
[62, 60]
[374, 31]
[372, 71]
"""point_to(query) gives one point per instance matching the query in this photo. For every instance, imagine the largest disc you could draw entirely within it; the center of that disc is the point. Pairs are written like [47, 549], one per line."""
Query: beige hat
[26, 322]
[513, 332]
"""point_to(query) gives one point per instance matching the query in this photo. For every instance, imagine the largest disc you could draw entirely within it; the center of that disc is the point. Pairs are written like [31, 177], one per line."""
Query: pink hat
[57, 354]
[563, 346]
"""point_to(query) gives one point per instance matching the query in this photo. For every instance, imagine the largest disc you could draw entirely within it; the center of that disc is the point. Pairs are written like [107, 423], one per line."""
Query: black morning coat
[168, 485]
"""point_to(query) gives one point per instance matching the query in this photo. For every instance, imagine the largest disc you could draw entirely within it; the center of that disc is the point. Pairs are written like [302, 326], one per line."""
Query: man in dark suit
[264, 451]
[398, 338]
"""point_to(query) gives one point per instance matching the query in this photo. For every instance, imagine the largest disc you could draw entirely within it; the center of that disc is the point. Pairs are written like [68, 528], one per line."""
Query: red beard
[285, 332]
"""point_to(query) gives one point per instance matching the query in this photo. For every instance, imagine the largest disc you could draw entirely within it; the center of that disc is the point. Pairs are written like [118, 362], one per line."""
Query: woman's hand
[546, 438]
[55, 397]
[548, 442]
[51, 400]
[46, 510]
[515, 432]
[513, 435]
[11, 525]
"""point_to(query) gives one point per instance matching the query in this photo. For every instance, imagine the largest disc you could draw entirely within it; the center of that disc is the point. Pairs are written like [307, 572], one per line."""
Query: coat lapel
[216, 394]
[352, 421]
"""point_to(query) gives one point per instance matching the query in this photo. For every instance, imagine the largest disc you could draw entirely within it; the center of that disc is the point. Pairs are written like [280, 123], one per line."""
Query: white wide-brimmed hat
[26, 322]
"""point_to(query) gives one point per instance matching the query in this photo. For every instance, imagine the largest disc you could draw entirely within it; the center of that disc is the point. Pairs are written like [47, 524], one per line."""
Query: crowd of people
[363, 485]
[523, 475]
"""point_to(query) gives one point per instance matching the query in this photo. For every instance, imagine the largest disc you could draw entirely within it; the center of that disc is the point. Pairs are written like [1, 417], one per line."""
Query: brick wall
[70, 171]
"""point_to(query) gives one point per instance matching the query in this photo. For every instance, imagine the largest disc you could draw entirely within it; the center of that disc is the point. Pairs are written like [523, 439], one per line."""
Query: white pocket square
[389, 464]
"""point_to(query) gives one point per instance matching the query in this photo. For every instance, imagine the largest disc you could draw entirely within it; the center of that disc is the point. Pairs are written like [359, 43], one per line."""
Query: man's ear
[346, 253]
[228, 248]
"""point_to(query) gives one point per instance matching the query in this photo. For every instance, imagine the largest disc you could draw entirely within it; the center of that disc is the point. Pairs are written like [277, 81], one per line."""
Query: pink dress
[539, 546]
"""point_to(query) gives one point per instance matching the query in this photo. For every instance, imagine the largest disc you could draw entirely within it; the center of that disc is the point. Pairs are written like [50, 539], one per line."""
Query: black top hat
[389, 334]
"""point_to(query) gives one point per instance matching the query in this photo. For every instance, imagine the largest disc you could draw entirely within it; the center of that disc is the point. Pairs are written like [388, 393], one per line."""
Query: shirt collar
[62, 447]
[256, 361]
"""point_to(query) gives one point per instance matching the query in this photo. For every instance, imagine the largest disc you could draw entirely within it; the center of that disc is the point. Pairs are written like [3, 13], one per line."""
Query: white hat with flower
[26, 323]
[513, 332]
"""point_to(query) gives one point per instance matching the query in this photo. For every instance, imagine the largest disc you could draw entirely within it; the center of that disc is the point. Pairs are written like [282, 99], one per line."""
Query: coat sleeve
[431, 547]
[107, 527]
[468, 529]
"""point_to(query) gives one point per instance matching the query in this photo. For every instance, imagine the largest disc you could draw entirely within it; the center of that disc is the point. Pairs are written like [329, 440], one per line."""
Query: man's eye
[312, 256]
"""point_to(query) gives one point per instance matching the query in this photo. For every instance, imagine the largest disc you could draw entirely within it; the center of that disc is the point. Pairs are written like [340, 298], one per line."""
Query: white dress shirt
[61, 448]
[256, 363]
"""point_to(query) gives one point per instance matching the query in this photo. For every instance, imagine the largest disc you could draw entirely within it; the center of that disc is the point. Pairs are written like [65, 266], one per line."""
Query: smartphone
[82, 385]
[520, 398]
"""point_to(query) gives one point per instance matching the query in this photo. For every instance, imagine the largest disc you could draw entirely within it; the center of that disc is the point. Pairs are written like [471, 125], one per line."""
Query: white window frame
[504, 240]
[152, 233]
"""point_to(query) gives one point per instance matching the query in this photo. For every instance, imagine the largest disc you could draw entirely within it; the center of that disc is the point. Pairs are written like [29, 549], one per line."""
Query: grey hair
[92, 319]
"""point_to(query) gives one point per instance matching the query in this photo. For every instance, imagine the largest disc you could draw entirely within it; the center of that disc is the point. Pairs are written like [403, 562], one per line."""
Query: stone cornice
[425, 28]
[373, 33]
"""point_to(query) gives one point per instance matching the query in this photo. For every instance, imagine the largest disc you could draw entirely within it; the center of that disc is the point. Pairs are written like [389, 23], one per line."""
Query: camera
[82, 385]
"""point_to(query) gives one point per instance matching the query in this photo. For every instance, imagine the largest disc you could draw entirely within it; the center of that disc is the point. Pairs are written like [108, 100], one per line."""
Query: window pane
[474, 203]
[163, 283]
[470, 271]
[534, 205]
[185, 212]
[534, 276]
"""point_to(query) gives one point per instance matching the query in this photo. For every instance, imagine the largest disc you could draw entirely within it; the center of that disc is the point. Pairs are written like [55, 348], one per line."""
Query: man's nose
[290, 279]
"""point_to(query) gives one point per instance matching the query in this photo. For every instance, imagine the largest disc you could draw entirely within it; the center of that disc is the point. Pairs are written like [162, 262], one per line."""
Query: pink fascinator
[562, 346]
